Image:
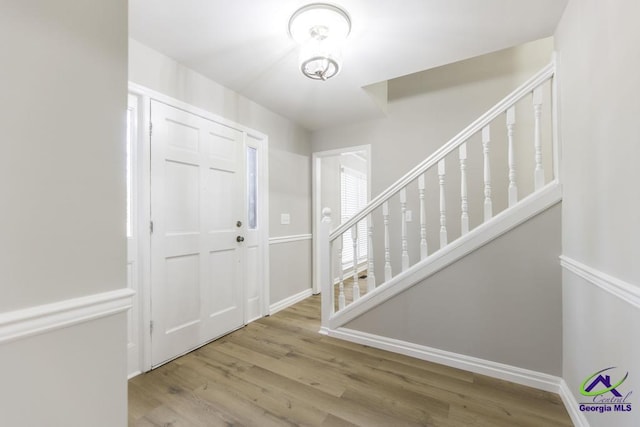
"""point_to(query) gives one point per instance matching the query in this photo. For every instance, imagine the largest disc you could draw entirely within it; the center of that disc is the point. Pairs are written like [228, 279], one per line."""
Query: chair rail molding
[23, 323]
[621, 289]
[289, 239]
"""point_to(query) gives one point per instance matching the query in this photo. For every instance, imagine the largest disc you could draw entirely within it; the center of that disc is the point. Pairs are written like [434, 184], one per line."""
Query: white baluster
[326, 279]
[341, 299]
[423, 219]
[405, 246]
[354, 238]
[387, 251]
[537, 111]
[488, 207]
[464, 204]
[443, 208]
[371, 277]
[513, 188]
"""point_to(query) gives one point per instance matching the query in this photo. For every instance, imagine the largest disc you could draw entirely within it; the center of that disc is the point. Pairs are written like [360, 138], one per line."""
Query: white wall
[62, 174]
[289, 153]
[597, 44]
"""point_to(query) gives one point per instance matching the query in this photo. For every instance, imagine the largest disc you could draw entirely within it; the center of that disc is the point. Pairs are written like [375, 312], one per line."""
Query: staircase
[506, 160]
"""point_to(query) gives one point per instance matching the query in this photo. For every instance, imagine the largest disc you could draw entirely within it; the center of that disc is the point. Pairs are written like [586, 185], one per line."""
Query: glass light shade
[320, 28]
[320, 59]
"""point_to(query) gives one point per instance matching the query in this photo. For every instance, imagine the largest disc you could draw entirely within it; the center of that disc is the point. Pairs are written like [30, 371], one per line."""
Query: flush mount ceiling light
[320, 29]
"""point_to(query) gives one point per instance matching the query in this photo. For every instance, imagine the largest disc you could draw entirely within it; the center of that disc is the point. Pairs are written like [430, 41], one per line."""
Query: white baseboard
[625, 291]
[501, 371]
[133, 374]
[288, 302]
[45, 318]
[570, 402]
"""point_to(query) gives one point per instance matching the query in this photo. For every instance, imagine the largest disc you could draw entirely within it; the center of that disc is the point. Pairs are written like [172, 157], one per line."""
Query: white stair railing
[460, 144]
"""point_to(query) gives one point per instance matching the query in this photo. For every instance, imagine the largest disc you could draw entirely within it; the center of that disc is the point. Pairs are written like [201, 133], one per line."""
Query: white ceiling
[244, 45]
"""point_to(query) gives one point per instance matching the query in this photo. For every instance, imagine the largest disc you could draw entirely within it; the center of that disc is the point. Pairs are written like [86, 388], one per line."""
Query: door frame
[316, 192]
[145, 95]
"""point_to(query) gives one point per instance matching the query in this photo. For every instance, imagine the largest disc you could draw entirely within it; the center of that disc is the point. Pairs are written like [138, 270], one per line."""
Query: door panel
[197, 193]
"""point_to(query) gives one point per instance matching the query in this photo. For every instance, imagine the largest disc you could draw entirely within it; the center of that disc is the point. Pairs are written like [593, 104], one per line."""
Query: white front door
[198, 194]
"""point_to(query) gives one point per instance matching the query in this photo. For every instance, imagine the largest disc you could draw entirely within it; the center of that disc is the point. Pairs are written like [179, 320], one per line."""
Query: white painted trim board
[572, 406]
[289, 239]
[23, 323]
[468, 363]
[612, 285]
[288, 302]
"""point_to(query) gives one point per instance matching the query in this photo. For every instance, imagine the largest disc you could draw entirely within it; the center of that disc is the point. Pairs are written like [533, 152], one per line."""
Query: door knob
[239, 239]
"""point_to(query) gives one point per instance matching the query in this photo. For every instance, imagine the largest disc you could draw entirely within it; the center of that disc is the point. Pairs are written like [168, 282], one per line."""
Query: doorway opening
[341, 182]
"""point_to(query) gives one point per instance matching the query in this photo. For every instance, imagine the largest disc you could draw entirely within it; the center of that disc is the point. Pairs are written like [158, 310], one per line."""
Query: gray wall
[289, 151]
[62, 169]
[427, 109]
[500, 303]
[62, 173]
[290, 267]
[598, 64]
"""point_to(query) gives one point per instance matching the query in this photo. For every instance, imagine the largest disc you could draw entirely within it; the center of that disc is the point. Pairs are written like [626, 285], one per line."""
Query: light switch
[408, 216]
[285, 219]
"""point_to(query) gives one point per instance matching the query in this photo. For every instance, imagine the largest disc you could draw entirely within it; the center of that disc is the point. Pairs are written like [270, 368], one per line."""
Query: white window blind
[353, 197]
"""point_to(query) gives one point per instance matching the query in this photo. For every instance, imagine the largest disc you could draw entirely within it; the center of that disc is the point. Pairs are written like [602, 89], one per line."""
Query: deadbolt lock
[239, 224]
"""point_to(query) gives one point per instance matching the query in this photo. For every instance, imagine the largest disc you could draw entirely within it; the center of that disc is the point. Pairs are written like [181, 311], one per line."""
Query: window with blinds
[353, 197]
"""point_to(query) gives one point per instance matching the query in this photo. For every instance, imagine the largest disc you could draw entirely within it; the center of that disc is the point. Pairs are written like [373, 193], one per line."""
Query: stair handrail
[540, 77]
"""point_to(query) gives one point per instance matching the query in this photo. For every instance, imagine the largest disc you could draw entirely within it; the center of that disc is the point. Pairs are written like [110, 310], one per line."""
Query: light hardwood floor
[278, 371]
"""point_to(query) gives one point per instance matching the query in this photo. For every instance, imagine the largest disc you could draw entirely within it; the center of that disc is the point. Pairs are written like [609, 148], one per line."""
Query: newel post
[324, 264]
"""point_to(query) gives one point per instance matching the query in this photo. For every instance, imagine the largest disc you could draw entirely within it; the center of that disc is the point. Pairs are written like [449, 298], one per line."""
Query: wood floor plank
[346, 409]
[310, 378]
[333, 421]
[140, 402]
[278, 371]
[219, 372]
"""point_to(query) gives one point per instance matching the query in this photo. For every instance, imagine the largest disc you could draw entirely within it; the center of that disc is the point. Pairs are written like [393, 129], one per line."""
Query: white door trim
[316, 209]
[134, 346]
[145, 95]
